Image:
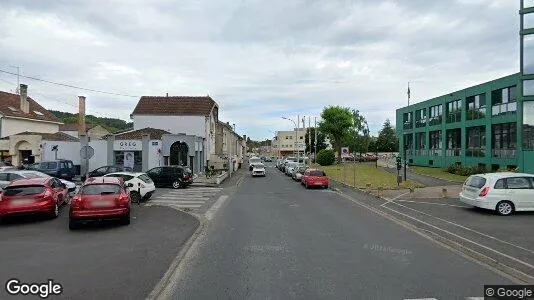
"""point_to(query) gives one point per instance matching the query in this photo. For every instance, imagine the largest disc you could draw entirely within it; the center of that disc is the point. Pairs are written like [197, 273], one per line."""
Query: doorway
[26, 157]
[178, 154]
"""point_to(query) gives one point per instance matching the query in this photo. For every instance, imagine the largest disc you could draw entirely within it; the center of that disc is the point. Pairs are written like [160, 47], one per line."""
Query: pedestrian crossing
[191, 197]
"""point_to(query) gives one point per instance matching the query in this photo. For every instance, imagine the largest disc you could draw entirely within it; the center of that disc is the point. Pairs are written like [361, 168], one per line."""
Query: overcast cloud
[259, 60]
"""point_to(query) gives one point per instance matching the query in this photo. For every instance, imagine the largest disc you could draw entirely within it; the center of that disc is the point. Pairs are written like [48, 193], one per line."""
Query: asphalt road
[101, 261]
[275, 240]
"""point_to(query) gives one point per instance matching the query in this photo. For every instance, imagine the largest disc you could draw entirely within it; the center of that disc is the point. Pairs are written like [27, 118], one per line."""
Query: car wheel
[73, 224]
[135, 197]
[504, 208]
[126, 219]
[177, 184]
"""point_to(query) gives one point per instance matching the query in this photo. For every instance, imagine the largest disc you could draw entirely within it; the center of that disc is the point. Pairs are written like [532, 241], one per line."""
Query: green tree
[357, 139]
[387, 140]
[337, 122]
[326, 157]
[321, 143]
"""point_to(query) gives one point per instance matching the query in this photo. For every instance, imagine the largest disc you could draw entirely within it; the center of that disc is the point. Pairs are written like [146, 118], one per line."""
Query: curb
[459, 183]
[163, 283]
[495, 265]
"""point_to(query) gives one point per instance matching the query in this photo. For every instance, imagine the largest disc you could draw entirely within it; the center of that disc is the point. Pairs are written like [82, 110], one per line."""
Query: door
[519, 190]
[57, 186]
[156, 175]
[168, 176]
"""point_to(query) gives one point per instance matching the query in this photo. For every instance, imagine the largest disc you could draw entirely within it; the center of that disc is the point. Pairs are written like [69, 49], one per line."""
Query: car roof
[503, 175]
[125, 173]
[103, 180]
[29, 181]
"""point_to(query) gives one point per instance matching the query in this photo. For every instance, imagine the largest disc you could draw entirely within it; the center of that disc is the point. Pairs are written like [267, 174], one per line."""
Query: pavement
[425, 180]
[273, 239]
[100, 261]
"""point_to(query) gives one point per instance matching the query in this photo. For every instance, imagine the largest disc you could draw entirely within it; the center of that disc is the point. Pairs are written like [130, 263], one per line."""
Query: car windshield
[476, 181]
[145, 178]
[52, 165]
[23, 190]
[255, 160]
[317, 173]
[100, 189]
[34, 175]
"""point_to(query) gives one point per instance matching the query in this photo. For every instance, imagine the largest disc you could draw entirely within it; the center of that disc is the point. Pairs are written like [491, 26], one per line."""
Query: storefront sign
[132, 145]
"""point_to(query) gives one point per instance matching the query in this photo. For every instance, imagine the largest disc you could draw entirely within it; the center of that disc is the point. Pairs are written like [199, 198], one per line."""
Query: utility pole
[309, 139]
[297, 138]
[315, 143]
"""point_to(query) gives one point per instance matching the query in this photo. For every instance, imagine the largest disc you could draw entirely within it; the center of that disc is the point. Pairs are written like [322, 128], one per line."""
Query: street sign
[345, 152]
[87, 152]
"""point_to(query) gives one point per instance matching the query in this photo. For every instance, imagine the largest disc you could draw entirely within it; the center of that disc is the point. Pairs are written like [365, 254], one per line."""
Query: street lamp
[296, 136]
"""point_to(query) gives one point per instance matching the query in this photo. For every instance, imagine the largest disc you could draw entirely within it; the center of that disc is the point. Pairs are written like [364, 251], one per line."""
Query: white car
[258, 170]
[9, 175]
[142, 186]
[503, 192]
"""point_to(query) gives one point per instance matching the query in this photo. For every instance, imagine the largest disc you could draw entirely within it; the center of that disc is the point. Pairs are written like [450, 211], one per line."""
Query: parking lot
[99, 261]
[508, 240]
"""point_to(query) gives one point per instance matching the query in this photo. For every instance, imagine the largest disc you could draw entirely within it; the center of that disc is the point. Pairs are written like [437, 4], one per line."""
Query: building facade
[94, 131]
[286, 143]
[527, 83]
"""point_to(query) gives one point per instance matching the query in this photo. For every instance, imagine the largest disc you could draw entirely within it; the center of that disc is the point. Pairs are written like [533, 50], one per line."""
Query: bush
[465, 171]
[326, 157]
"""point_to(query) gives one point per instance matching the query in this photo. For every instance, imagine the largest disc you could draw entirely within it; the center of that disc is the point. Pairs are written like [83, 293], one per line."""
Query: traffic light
[399, 163]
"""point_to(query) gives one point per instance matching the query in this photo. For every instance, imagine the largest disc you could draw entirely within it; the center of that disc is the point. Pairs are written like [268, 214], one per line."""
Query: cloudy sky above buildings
[259, 60]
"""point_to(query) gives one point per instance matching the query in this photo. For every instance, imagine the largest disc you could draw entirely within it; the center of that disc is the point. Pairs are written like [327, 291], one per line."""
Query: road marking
[186, 205]
[421, 299]
[474, 298]
[395, 198]
[178, 201]
[213, 209]
[182, 197]
[443, 204]
[468, 229]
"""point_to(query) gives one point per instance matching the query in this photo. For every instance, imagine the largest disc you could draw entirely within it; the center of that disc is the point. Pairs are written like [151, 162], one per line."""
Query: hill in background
[111, 124]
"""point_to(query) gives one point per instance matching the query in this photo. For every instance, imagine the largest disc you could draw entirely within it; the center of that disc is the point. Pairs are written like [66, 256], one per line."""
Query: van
[62, 168]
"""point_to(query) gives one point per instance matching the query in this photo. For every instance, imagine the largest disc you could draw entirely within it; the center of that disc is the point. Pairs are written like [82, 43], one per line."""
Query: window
[38, 113]
[420, 143]
[407, 120]
[3, 177]
[436, 113]
[528, 87]
[528, 125]
[528, 21]
[290, 137]
[476, 107]
[23, 190]
[475, 181]
[101, 189]
[454, 111]
[14, 176]
[454, 142]
[528, 53]
[504, 140]
[528, 3]
[420, 116]
[408, 143]
[287, 137]
[476, 141]
[499, 185]
[518, 183]
[435, 142]
[504, 101]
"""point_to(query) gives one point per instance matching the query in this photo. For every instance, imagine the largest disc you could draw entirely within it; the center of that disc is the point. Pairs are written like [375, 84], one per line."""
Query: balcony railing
[504, 153]
[435, 152]
[455, 116]
[421, 152]
[475, 114]
[504, 109]
[435, 121]
[475, 152]
[453, 152]
[420, 123]
[409, 152]
[408, 125]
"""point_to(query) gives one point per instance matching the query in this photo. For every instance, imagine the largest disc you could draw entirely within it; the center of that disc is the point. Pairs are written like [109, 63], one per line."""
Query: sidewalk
[425, 180]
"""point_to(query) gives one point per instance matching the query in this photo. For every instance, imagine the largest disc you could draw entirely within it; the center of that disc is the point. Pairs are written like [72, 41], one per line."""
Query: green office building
[489, 125]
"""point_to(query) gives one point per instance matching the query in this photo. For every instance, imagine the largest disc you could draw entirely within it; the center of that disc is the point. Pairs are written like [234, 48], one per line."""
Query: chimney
[81, 115]
[167, 95]
[24, 104]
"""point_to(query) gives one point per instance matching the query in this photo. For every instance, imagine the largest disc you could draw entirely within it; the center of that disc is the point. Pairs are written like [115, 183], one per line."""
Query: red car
[314, 178]
[100, 198]
[33, 196]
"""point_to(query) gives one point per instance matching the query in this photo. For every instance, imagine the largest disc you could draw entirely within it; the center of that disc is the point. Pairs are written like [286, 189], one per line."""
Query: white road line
[421, 299]
[181, 197]
[178, 202]
[186, 206]
[211, 212]
[468, 229]
[474, 298]
[388, 200]
[443, 204]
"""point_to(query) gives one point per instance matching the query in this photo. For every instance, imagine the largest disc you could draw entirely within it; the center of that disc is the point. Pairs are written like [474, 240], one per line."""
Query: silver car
[9, 175]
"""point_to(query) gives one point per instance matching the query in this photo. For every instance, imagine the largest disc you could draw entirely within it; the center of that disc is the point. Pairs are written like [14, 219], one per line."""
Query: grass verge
[360, 175]
[438, 173]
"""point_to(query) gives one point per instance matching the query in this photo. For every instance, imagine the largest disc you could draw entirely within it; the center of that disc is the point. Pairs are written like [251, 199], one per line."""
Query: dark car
[107, 170]
[171, 176]
[63, 169]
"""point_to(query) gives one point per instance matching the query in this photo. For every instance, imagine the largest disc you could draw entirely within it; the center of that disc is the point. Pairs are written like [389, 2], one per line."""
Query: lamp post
[296, 137]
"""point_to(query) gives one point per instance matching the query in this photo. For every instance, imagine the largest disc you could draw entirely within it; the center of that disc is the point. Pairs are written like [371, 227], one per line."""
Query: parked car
[33, 196]
[314, 178]
[297, 175]
[258, 170]
[10, 175]
[63, 169]
[6, 166]
[106, 170]
[252, 161]
[171, 176]
[101, 198]
[290, 167]
[142, 186]
[504, 192]
[268, 159]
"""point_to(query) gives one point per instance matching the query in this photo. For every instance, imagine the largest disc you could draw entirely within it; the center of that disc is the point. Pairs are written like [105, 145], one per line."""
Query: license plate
[102, 203]
[21, 202]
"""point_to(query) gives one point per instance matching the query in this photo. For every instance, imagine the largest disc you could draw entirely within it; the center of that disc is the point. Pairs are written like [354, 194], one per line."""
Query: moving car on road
[33, 196]
[11, 175]
[314, 178]
[176, 177]
[503, 192]
[252, 161]
[142, 186]
[258, 170]
[101, 198]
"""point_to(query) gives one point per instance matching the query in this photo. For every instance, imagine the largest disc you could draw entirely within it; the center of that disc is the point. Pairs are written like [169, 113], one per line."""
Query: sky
[259, 60]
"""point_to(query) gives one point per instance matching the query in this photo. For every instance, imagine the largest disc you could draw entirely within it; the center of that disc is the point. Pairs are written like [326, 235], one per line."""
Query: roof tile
[155, 134]
[10, 106]
[174, 106]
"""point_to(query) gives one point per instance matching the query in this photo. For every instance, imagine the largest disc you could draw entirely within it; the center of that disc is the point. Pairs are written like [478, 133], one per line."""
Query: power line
[70, 86]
